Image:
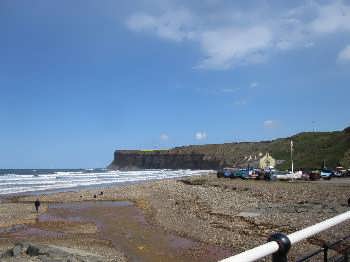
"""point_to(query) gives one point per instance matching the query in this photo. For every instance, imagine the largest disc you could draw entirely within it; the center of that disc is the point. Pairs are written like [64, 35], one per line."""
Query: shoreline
[97, 185]
[231, 214]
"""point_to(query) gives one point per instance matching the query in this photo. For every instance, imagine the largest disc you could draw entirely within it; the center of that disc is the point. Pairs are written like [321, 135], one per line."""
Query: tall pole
[291, 155]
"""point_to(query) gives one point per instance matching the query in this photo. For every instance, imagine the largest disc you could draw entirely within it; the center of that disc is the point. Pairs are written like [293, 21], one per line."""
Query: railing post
[346, 256]
[284, 246]
[325, 253]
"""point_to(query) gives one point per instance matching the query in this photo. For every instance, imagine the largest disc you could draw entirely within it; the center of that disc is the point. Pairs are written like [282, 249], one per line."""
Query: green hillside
[310, 150]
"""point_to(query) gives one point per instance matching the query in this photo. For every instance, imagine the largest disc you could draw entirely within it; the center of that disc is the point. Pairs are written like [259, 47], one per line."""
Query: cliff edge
[161, 159]
[311, 150]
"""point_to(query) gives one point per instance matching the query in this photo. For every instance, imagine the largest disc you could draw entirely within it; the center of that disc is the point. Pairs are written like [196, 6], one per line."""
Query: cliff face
[134, 159]
[311, 149]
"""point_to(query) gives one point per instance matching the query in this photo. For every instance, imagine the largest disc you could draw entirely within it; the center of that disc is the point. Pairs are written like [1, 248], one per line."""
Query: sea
[18, 181]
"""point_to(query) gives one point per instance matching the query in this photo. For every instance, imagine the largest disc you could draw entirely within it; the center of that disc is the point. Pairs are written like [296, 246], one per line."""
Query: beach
[184, 219]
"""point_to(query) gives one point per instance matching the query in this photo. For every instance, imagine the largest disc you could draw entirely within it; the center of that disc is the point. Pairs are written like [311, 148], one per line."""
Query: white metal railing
[273, 246]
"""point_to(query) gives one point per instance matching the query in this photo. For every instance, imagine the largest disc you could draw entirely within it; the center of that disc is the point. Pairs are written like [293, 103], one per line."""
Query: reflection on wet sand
[122, 225]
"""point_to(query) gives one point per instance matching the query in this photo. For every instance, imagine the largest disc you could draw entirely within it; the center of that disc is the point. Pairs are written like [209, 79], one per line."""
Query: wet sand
[122, 225]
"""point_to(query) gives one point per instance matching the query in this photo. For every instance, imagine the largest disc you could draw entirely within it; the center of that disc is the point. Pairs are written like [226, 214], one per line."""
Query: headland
[311, 151]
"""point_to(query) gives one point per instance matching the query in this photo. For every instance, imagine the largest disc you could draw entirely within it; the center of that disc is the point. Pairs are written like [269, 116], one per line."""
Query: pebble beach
[208, 218]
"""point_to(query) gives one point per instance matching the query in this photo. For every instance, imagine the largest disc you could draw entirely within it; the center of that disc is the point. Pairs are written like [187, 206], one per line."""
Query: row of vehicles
[243, 173]
[272, 174]
[334, 173]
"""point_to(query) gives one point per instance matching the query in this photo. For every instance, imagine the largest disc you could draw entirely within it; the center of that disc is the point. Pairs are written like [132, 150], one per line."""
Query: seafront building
[267, 161]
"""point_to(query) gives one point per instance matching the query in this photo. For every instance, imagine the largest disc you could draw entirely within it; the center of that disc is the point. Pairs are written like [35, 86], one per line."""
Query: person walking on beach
[37, 205]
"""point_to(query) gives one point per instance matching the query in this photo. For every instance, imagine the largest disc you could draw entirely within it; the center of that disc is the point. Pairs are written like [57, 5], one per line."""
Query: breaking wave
[21, 181]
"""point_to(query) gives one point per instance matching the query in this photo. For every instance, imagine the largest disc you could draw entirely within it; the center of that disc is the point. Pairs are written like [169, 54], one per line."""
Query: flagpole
[291, 155]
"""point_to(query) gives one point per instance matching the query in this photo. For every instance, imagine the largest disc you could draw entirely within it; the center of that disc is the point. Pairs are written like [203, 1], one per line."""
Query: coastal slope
[311, 150]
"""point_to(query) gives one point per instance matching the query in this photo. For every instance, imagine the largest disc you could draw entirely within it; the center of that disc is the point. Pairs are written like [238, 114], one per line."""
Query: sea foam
[38, 180]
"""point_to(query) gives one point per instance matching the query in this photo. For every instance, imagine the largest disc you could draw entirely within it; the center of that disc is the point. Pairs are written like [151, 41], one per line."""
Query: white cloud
[222, 46]
[225, 47]
[254, 84]
[344, 55]
[332, 18]
[200, 135]
[270, 124]
[229, 37]
[173, 25]
[164, 137]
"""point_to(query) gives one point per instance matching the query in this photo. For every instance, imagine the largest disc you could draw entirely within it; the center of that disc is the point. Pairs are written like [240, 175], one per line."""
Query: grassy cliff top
[310, 150]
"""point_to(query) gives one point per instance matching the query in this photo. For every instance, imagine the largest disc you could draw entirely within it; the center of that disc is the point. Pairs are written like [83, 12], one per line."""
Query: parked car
[242, 173]
[340, 171]
[326, 174]
[247, 173]
[270, 175]
[305, 176]
[254, 174]
[258, 174]
[226, 172]
[314, 175]
[289, 175]
[338, 174]
[282, 175]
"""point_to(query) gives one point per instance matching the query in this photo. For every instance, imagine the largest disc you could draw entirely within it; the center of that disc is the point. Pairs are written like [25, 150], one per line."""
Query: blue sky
[79, 79]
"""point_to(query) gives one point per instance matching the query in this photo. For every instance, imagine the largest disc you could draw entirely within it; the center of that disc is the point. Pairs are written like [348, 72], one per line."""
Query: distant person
[349, 202]
[37, 205]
